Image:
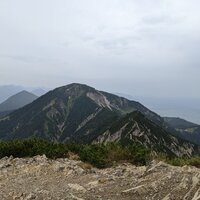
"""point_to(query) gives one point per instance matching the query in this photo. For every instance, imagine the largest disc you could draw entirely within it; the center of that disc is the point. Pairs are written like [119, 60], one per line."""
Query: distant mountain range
[184, 129]
[184, 107]
[16, 101]
[7, 91]
[81, 114]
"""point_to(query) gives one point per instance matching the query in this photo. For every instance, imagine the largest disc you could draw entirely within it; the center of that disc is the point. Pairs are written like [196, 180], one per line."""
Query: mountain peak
[73, 87]
[17, 101]
[24, 92]
[77, 87]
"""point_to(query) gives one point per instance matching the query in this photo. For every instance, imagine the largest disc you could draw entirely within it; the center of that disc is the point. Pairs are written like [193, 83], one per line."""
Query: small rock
[132, 190]
[30, 197]
[76, 198]
[102, 180]
[40, 159]
[77, 187]
[93, 184]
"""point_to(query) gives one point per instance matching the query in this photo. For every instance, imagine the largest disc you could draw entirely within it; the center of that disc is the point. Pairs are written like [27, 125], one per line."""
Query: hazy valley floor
[41, 178]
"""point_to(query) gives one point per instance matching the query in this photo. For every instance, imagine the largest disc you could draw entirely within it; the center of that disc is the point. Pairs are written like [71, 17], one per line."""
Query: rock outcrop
[42, 178]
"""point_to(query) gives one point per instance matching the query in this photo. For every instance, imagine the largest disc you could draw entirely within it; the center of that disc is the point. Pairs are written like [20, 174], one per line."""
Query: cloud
[137, 46]
[120, 44]
[25, 59]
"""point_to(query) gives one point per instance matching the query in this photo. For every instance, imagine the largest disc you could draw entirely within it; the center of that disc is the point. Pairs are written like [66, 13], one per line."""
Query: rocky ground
[42, 178]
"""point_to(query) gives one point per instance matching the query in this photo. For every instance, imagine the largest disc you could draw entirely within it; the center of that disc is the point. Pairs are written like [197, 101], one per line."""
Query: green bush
[32, 147]
[195, 161]
[116, 152]
[177, 161]
[94, 154]
[139, 155]
[99, 155]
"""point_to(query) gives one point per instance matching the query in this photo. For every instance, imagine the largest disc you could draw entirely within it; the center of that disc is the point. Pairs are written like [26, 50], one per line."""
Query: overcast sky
[139, 47]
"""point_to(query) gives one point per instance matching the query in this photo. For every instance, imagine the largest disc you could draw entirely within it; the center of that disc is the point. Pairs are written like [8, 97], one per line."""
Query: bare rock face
[41, 178]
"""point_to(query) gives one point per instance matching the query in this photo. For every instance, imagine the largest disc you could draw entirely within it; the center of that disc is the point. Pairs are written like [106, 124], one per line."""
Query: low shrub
[98, 155]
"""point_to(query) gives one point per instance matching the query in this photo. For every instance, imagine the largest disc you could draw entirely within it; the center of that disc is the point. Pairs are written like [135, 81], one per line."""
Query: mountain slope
[3, 114]
[69, 111]
[58, 114]
[135, 127]
[17, 101]
[79, 113]
[184, 129]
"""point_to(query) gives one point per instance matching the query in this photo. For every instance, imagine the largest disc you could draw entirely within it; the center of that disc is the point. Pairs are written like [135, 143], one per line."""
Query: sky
[145, 48]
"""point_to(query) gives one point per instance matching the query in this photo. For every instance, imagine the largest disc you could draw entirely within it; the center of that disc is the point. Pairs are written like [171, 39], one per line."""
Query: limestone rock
[42, 178]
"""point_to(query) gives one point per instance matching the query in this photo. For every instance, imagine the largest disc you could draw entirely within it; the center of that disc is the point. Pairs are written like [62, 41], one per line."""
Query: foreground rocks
[41, 178]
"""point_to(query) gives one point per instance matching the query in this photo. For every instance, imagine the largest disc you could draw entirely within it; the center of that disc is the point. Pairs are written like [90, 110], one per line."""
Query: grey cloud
[26, 59]
[29, 59]
[164, 19]
[137, 46]
[119, 44]
[88, 38]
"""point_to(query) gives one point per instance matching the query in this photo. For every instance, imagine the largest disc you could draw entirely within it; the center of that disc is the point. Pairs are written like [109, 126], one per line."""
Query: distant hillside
[81, 114]
[17, 101]
[179, 123]
[184, 129]
[7, 91]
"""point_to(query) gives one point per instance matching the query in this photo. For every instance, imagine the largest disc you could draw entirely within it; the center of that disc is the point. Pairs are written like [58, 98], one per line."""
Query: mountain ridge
[135, 127]
[75, 113]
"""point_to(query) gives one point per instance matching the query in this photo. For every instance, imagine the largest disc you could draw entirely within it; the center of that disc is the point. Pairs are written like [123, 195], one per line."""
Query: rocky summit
[42, 178]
